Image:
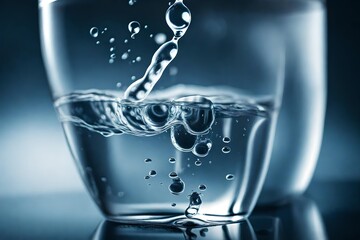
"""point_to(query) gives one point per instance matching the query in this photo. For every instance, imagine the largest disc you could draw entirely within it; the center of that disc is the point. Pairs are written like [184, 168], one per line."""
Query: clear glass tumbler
[168, 108]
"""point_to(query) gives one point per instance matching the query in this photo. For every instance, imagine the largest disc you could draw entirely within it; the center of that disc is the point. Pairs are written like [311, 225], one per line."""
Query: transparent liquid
[139, 171]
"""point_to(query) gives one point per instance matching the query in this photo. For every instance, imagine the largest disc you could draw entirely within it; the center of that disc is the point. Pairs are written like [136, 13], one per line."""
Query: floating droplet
[198, 163]
[111, 60]
[120, 194]
[226, 149]
[172, 160]
[134, 28]
[160, 38]
[230, 177]
[112, 49]
[226, 139]
[133, 78]
[173, 175]
[113, 55]
[124, 56]
[152, 173]
[151, 35]
[111, 40]
[173, 71]
[147, 160]
[94, 31]
[194, 205]
[97, 42]
[177, 186]
[118, 85]
[202, 187]
[132, 2]
[138, 59]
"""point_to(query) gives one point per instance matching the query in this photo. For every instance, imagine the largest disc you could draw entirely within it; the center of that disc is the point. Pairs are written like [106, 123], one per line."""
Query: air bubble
[112, 49]
[173, 175]
[134, 28]
[111, 40]
[111, 60]
[173, 204]
[181, 139]
[202, 148]
[133, 78]
[147, 160]
[160, 38]
[97, 42]
[113, 55]
[152, 173]
[118, 85]
[226, 149]
[172, 160]
[226, 139]
[198, 163]
[230, 177]
[147, 177]
[138, 59]
[177, 186]
[202, 187]
[94, 31]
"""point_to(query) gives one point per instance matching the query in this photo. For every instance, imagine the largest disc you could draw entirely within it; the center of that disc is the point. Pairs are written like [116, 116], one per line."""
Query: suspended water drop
[173, 71]
[194, 205]
[129, 50]
[172, 160]
[133, 61]
[111, 40]
[146, 26]
[134, 28]
[151, 35]
[177, 186]
[97, 42]
[202, 187]
[111, 61]
[112, 49]
[226, 149]
[147, 160]
[113, 55]
[178, 18]
[124, 56]
[132, 2]
[138, 59]
[94, 31]
[152, 173]
[226, 139]
[133, 78]
[160, 38]
[118, 85]
[229, 177]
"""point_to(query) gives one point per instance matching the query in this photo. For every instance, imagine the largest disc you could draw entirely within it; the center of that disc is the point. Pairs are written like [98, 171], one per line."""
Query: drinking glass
[168, 109]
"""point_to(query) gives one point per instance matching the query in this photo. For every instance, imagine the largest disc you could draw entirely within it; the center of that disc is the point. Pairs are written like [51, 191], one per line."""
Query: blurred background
[34, 158]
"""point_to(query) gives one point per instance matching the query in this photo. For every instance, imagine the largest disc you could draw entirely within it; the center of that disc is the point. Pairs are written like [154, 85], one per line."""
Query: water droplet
[160, 38]
[210, 162]
[113, 55]
[226, 139]
[147, 160]
[226, 149]
[173, 71]
[173, 204]
[111, 60]
[111, 40]
[97, 42]
[178, 18]
[151, 35]
[177, 186]
[94, 31]
[172, 160]
[198, 163]
[132, 2]
[118, 85]
[133, 61]
[133, 78]
[103, 179]
[147, 177]
[202, 148]
[129, 50]
[146, 26]
[194, 205]
[188, 165]
[152, 173]
[134, 28]
[230, 177]
[202, 187]
[124, 56]
[173, 175]
[138, 59]
[112, 49]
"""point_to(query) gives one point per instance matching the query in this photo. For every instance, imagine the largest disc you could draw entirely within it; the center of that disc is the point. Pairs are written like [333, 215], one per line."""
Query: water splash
[178, 18]
[194, 205]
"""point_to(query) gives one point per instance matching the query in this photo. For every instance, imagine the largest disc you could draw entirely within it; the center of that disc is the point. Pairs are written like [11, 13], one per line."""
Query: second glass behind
[169, 110]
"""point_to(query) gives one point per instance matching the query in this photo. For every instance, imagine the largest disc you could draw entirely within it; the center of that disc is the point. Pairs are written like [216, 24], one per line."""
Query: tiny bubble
[226, 139]
[97, 42]
[152, 173]
[198, 163]
[230, 177]
[146, 26]
[172, 160]
[151, 35]
[226, 149]
[133, 78]
[173, 175]
[111, 60]
[124, 56]
[129, 50]
[112, 40]
[147, 177]
[202, 187]
[126, 41]
[112, 49]
[173, 204]
[113, 55]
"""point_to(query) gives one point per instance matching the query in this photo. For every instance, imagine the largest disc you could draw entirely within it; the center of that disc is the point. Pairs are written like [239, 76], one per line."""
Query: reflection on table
[299, 219]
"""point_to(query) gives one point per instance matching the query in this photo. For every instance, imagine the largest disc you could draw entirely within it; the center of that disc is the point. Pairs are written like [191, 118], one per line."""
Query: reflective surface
[335, 215]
